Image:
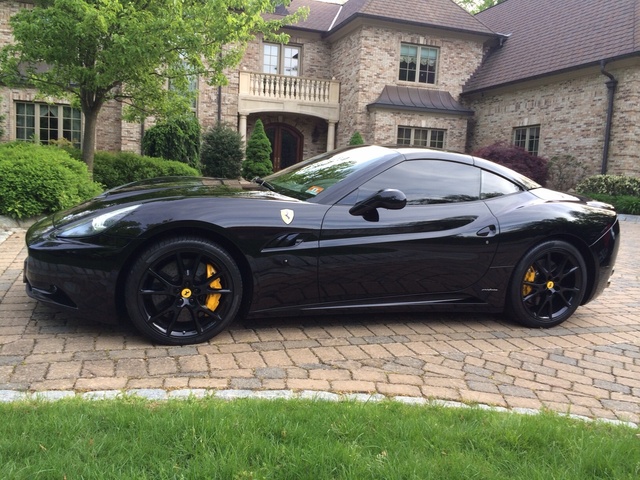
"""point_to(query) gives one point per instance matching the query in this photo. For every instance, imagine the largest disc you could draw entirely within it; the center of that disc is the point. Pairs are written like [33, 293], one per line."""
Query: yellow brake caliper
[530, 276]
[213, 300]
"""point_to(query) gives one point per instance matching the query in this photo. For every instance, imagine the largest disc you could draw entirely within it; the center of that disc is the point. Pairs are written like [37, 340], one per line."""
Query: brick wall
[367, 60]
[572, 116]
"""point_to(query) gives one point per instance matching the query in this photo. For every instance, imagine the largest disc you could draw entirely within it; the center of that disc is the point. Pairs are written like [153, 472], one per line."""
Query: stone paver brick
[353, 386]
[393, 390]
[221, 361]
[308, 384]
[62, 370]
[369, 374]
[301, 356]
[162, 366]
[330, 374]
[132, 367]
[192, 363]
[98, 368]
[276, 359]
[101, 383]
[249, 360]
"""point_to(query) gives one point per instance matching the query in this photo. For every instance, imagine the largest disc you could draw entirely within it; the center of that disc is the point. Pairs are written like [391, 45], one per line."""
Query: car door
[442, 241]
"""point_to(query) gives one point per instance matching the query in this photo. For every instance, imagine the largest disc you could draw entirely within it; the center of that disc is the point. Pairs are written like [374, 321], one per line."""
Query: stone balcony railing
[261, 92]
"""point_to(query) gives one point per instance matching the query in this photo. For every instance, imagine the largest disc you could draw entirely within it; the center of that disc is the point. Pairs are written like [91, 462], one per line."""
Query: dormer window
[418, 64]
[281, 59]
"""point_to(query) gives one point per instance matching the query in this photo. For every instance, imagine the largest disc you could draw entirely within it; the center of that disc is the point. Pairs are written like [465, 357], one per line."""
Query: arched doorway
[286, 145]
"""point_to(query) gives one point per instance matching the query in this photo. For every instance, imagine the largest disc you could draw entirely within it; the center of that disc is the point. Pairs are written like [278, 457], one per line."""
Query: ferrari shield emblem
[287, 215]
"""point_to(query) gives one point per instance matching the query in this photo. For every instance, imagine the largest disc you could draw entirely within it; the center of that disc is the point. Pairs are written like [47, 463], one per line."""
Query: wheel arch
[203, 231]
[585, 252]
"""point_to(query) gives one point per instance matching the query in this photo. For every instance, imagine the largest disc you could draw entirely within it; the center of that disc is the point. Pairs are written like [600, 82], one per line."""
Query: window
[418, 64]
[44, 122]
[496, 186]
[422, 137]
[426, 182]
[281, 59]
[527, 138]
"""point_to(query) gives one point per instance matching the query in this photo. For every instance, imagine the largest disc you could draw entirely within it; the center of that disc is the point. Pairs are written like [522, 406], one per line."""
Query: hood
[149, 190]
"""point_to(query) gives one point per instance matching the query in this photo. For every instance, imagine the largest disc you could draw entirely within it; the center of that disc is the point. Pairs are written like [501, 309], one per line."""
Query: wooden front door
[286, 145]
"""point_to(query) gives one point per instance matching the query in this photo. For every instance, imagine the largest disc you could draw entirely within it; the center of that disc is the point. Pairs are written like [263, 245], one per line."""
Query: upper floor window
[421, 137]
[527, 138]
[418, 64]
[45, 123]
[281, 59]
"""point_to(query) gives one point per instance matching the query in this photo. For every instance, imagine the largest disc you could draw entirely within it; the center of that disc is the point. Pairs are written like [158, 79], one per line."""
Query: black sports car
[390, 229]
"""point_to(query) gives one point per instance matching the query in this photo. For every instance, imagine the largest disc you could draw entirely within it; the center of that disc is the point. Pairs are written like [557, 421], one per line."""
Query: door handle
[488, 231]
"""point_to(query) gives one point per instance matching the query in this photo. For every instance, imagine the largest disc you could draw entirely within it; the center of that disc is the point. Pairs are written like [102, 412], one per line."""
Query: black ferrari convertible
[353, 230]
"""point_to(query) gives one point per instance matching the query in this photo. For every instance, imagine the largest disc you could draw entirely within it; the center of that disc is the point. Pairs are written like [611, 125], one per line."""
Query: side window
[495, 186]
[427, 182]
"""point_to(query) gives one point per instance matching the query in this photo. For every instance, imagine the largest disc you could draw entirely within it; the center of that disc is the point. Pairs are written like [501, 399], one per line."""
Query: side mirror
[390, 199]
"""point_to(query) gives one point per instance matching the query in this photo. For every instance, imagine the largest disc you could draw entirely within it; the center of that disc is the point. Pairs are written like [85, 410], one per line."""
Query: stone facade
[571, 111]
[364, 59]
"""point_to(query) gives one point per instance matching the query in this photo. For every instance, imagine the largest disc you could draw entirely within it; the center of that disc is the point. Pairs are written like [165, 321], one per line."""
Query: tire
[548, 285]
[183, 291]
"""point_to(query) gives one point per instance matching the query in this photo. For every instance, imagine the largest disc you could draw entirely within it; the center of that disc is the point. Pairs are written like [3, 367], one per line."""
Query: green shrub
[623, 204]
[114, 169]
[516, 159]
[616, 185]
[565, 172]
[356, 139]
[175, 139]
[258, 161]
[222, 153]
[36, 180]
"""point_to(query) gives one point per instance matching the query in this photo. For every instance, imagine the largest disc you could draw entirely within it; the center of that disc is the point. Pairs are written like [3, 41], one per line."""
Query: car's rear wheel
[547, 285]
[183, 290]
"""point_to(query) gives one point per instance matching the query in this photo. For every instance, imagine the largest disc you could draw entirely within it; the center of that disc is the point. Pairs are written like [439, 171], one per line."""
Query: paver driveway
[588, 366]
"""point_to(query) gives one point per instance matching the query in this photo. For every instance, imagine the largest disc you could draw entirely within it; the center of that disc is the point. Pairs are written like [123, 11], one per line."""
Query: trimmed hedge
[174, 139]
[36, 180]
[114, 169]
[616, 185]
[222, 153]
[623, 203]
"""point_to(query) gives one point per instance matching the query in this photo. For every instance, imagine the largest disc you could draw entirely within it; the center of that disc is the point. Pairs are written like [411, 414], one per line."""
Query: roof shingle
[552, 36]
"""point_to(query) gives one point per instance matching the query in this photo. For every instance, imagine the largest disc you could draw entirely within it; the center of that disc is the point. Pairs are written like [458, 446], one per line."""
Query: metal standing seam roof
[552, 36]
[419, 99]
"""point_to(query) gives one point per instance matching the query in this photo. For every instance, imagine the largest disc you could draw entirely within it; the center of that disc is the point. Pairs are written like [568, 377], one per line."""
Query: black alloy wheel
[183, 291]
[548, 285]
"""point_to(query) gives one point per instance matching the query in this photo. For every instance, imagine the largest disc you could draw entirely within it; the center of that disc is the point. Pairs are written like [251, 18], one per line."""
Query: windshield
[315, 175]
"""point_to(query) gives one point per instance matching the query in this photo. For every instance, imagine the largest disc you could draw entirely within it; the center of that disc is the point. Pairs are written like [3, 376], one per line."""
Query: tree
[222, 152]
[93, 51]
[475, 6]
[174, 139]
[258, 155]
[356, 139]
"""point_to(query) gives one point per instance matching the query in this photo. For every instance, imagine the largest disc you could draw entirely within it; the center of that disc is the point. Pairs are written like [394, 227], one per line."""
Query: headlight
[94, 225]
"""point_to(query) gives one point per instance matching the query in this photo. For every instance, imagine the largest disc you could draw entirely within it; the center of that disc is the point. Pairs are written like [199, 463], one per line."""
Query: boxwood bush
[113, 169]
[621, 191]
[36, 180]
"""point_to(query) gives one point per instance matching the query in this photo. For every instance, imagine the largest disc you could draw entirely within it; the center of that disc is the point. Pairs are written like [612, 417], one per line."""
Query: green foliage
[96, 51]
[222, 152]
[258, 162]
[114, 169]
[623, 204]
[36, 180]
[475, 6]
[356, 139]
[615, 185]
[565, 172]
[516, 159]
[174, 139]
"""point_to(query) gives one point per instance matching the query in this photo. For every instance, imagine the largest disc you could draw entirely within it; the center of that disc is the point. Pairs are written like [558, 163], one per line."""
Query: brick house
[410, 72]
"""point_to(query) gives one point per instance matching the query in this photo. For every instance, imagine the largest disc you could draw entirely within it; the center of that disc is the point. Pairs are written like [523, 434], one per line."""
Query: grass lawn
[132, 438]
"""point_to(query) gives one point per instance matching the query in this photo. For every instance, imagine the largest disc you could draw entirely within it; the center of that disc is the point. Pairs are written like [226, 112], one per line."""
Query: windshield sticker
[314, 190]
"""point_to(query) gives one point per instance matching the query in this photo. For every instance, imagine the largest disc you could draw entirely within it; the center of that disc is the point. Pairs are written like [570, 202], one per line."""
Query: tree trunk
[89, 137]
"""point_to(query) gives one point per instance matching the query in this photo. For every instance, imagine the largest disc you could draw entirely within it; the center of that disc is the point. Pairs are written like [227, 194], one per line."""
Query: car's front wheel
[183, 290]
[547, 285]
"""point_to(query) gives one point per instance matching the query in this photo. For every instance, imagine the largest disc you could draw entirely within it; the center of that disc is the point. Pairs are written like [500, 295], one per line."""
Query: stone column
[331, 136]
[242, 128]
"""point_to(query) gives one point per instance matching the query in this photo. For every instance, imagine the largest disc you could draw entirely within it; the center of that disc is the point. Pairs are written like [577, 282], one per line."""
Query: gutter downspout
[611, 90]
